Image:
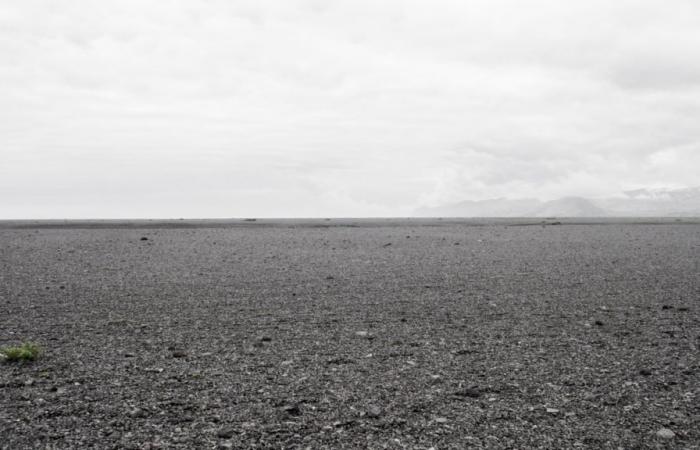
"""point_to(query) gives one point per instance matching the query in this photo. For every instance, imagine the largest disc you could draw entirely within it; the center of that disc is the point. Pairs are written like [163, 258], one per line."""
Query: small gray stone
[374, 411]
[665, 433]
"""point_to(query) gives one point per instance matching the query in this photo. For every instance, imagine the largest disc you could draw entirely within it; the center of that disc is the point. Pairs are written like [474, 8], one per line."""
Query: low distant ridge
[570, 207]
[634, 203]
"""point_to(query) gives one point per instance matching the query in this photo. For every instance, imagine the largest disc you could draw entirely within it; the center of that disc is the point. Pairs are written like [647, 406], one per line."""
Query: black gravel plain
[351, 334]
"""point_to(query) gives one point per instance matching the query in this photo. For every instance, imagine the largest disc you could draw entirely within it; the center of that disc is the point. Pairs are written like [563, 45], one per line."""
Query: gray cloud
[276, 108]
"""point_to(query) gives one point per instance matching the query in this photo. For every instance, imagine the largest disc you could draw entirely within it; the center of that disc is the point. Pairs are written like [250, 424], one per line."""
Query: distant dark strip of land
[334, 222]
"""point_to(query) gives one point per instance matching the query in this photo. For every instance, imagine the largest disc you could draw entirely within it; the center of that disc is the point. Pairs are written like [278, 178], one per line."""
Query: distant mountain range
[636, 203]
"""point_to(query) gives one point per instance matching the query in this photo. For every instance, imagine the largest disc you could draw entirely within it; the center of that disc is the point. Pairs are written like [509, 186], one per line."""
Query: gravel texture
[341, 334]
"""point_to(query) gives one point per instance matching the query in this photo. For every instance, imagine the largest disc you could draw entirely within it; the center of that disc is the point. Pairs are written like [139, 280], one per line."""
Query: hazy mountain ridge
[635, 203]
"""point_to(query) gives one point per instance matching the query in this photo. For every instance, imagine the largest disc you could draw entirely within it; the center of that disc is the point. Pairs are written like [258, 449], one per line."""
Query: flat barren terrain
[351, 334]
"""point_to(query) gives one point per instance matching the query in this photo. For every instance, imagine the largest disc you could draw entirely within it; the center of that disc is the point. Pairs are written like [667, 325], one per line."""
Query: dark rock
[144, 238]
[598, 323]
[471, 392]
[340, 360]
[645, 372]
[464, 351]
[179, 354]
[226, 433]
[292, 410]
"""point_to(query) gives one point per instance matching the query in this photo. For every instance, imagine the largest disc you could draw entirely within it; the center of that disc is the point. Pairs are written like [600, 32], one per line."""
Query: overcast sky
[340, 108]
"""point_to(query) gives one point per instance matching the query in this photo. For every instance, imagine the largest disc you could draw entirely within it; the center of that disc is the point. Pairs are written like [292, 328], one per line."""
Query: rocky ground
[328, 334]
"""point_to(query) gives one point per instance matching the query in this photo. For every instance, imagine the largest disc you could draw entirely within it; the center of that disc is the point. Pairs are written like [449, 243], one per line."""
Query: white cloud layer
[340, 108]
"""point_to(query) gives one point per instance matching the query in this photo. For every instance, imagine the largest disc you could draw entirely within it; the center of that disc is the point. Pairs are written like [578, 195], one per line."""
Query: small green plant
[25, 352]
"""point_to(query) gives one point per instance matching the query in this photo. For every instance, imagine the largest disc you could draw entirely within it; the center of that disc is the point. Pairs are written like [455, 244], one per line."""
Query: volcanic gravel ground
[404, 335]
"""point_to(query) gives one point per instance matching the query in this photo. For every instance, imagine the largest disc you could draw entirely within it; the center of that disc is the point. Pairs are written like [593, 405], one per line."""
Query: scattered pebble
[328, 373]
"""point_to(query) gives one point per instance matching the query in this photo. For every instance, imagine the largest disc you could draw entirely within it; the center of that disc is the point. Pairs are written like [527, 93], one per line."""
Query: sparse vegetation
[26, 352]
